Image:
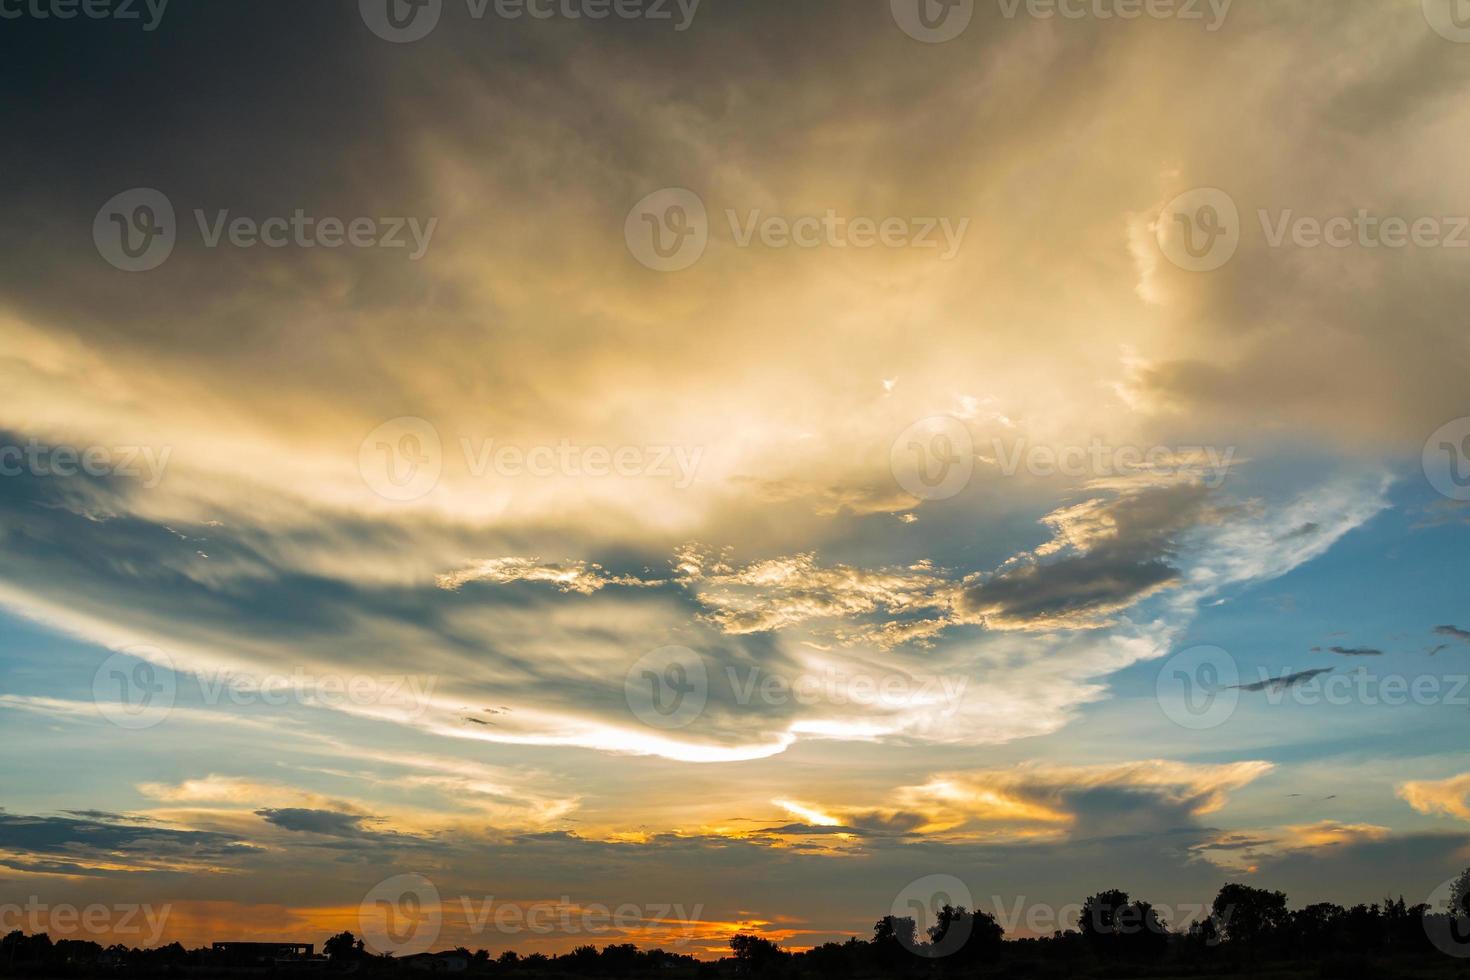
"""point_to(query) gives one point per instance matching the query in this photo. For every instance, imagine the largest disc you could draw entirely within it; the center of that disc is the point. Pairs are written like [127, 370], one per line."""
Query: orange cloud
[1446, 797]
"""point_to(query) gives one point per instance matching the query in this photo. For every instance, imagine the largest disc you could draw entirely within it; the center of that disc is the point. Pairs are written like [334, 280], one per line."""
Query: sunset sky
[733, 460]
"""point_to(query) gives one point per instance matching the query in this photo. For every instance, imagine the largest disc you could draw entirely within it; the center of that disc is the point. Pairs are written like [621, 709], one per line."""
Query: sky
[526, 475]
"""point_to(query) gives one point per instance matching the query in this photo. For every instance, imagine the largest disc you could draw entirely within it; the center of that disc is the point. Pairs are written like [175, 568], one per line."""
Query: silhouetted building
[262, 952]
[437, 962]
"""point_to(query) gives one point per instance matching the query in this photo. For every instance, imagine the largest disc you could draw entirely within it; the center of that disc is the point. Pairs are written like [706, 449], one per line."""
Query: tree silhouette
[1250, 916]
[895, 938]
[1318, 928]
[1099, 919]
[1113, 924]
[342, 947]
[1460, 894]
[1250, 930]
[756, 956]
[960, 937]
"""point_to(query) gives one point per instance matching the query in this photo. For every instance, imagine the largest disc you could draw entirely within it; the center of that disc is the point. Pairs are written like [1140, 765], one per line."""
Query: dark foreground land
[1250, 933]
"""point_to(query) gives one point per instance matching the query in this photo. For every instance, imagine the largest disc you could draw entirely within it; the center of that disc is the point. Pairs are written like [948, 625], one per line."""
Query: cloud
[323, 822]
[1113, 553]
[1284, 683]
[72, 845]
[341, 826]
[1245, 850]
[788, 373]
[1079, 800]
[794, 590]
[577, 576]
[1446, 797]
[831, 501]
[1454, 632]
[547, 646]
[233, 790]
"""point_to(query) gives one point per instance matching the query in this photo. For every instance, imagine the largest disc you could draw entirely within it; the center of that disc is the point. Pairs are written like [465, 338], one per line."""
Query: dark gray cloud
[1454, 632]
[1287, 682]
[1127, 554]
[326, 822]
[1306, 530]
[107, 817]
[811, 830]
[73, 842]
[1351, 651]
[345, 830]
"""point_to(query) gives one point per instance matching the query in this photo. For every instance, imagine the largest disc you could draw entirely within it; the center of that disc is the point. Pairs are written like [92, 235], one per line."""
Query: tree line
[1247, 928]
